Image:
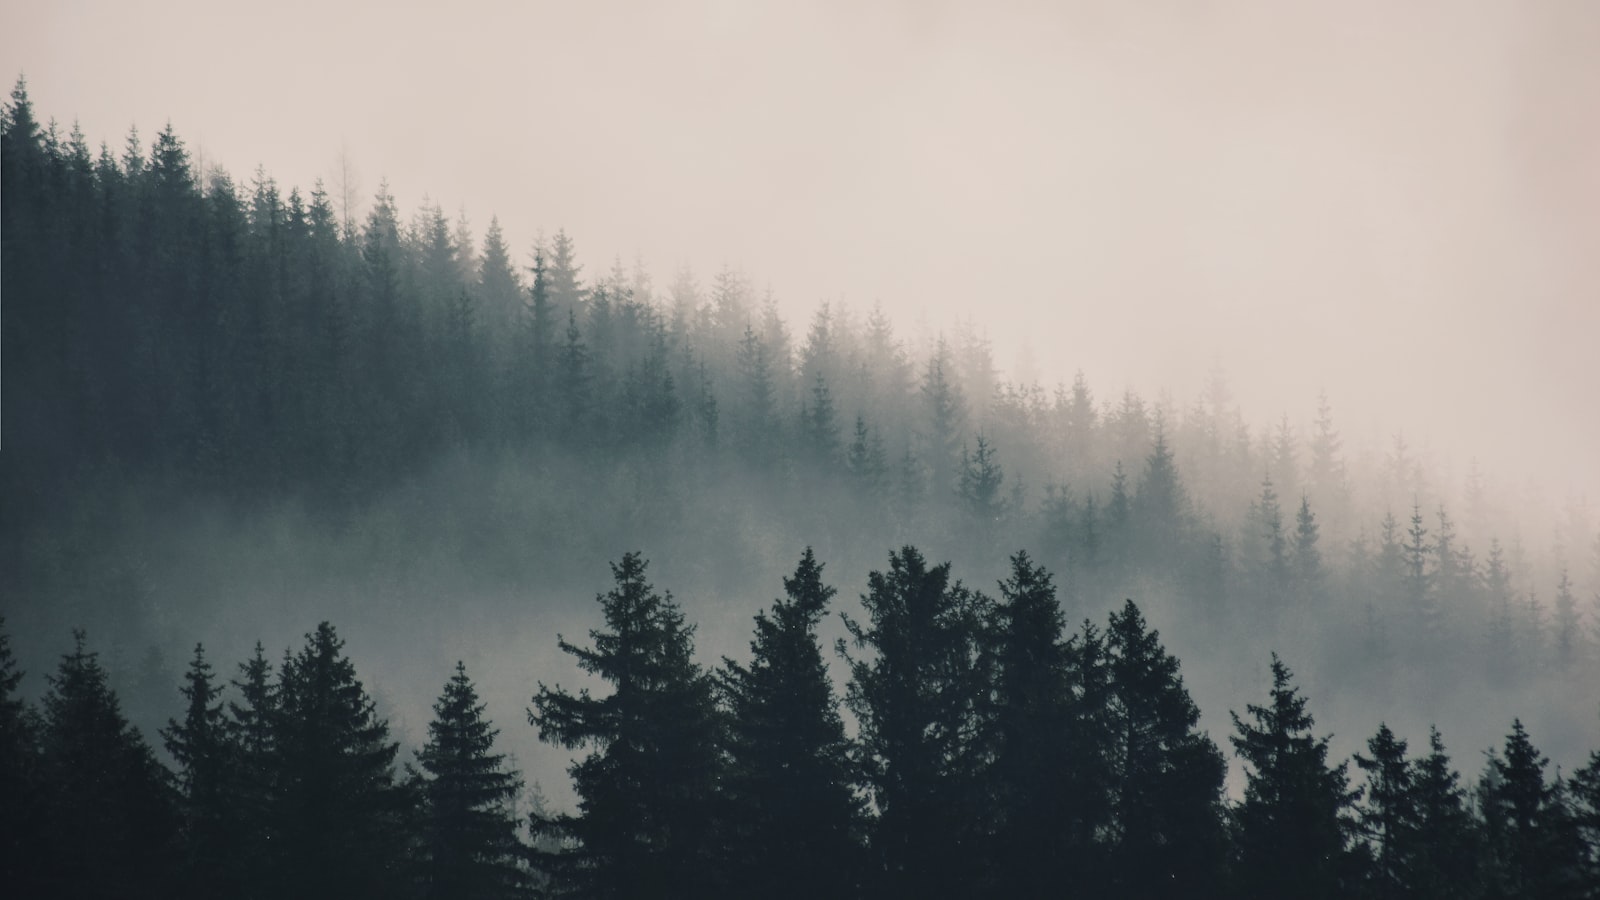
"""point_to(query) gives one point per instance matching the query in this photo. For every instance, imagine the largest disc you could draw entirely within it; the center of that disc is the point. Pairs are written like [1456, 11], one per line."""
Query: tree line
[992, 753]
[170, 327]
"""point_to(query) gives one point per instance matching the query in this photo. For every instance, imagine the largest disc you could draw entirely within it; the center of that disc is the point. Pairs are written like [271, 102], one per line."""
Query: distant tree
[1293, 825]
[794, 814]
[469, 822]
[1305, 559]
[819, 424]
[1568, 629]
[566, 289]
[1421, 598]
[497, 285]
[338, 807]
[917, 701]
[110, 825]
[866, 460]
[1161, 508]
[1273, 567]
[1168, 839]
[978, 485]
[203, 747]
[945, 416]
[648, 806]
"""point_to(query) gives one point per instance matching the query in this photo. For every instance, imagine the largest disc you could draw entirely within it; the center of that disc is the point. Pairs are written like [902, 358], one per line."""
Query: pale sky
[1398, 202]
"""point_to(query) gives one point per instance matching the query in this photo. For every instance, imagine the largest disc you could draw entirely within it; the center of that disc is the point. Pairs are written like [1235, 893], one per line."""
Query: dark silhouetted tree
[1293, 829]
[202, 745]
[647, 814]
[794, 815]
[469, 821]
[917, 700]
[1168, 838]
[110, 826]
[339, 811]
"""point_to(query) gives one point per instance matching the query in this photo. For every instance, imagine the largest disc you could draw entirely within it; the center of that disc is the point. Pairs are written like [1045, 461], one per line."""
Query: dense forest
[230, 407]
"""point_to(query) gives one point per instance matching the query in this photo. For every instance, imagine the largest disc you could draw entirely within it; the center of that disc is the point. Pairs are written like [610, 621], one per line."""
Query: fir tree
[978, 487]
[110, 824]
[469, 824]
[1168, 839]
[203, 748]
[1292, 838]
[917, 701]
[337, 804]
[1531, 839]
[647, 820]
[253, 727]
[790, 774]
[20, 814]
[1030, 733]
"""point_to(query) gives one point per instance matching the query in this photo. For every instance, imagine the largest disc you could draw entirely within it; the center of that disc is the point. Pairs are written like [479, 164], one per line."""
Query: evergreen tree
[1305, 559]
[1031, 736]
[790, 774]
[1420, 595]
[1292, 838]
[917, 701]
[1445, 860]
[253, 727]
[1168, 839]
[337, 805]
[469, 824]
[819, 425]
[1388, 816]
[1532, 842]
[866, 460]
[110, 823]
[203, 748]
[978, 487]
[21, 812]
[945, 416]
[647, 821]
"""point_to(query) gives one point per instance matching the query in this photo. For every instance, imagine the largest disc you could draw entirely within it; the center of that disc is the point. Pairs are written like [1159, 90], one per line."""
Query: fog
[1394, 204]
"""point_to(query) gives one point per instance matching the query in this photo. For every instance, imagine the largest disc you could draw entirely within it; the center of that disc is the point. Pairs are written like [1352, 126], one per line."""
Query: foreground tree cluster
[992, 754]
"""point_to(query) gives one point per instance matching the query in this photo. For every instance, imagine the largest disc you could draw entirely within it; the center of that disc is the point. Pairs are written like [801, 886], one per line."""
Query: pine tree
[647, 821]
[1030, 735]
[1532, 842]
[866, 460]
[1445, 860]
[202, 746]
[945, 416]
[794, 814]
[1421, 597]
[1292, 838]
[978, 487]
[337, 805]
[917, 702]
[20, 814]
[1388, 815]
[1568, 629]
[469, 823]
[819, 424]
[253, 727]
[1168, 839]
[110, 824]
[1305, 559]
[1273, 568]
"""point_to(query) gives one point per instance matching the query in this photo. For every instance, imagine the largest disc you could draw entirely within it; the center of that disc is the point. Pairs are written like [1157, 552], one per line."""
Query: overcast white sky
[1399, 202]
